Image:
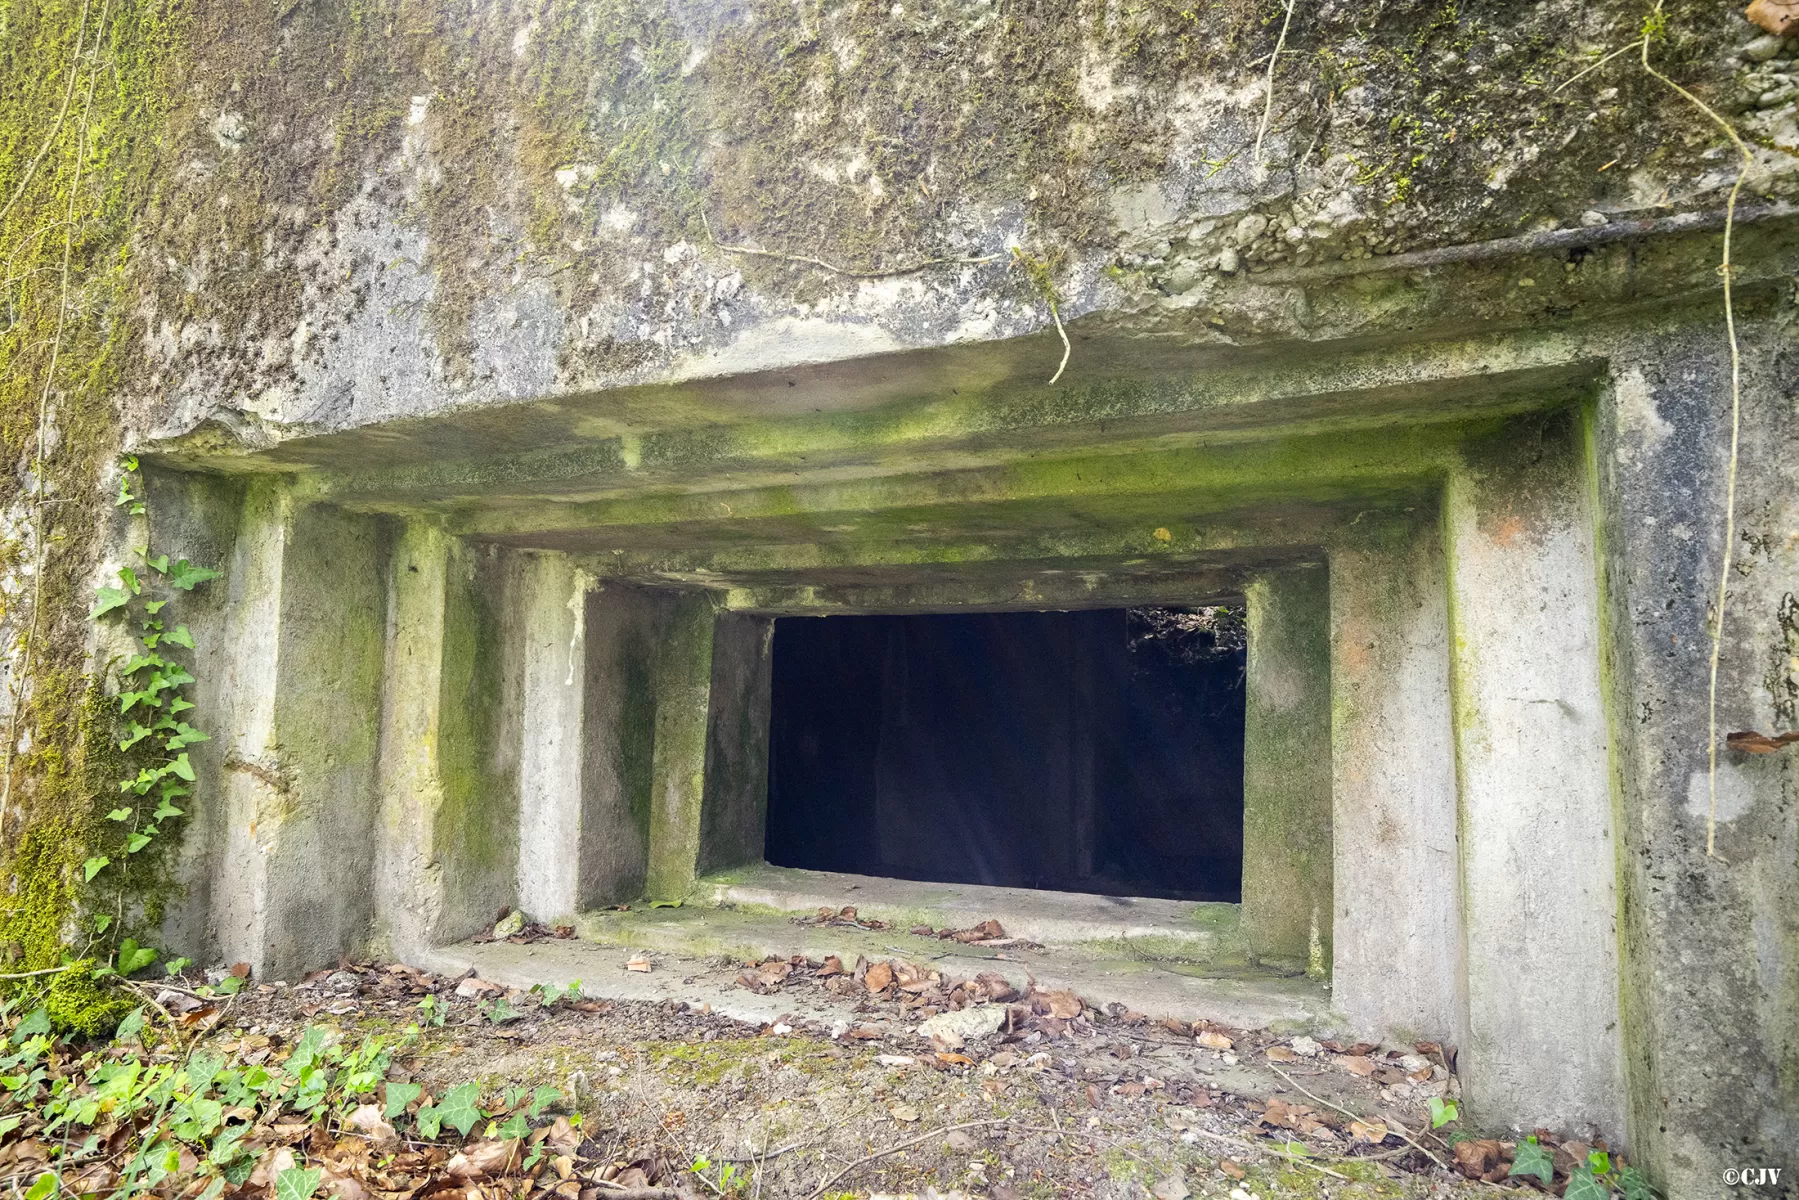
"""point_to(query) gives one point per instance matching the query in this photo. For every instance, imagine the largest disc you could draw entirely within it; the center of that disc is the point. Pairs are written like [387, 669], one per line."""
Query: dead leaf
[1212, 1039]
[1231, 1169]
[955, 1060]
[1748, 741]
[489, 1158]
[1282, 1054]
[879, 977]
[1355, 1064]
[474, 986]
[270, 1165]
[241, 970]
[368, 1121]
[1063, 1005]
[563, 1138]
[1368, 1131]
[1475, 1158]
[904, 1112]
[832, 966]
[638, 962]
[1778, 17]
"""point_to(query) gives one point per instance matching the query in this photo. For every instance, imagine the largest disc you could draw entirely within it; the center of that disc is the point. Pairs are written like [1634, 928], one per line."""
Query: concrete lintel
[1287, 903]
[1532, 743]
[1397, 953]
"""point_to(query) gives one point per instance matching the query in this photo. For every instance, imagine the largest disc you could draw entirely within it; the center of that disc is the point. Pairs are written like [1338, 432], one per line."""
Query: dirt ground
[1060, 1100]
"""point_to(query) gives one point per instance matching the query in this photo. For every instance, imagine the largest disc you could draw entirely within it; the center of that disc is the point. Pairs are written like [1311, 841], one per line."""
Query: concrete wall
[1538, 860]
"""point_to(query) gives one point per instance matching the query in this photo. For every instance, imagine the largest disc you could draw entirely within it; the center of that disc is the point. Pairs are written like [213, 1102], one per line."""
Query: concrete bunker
[526, 657]
[1088, 751]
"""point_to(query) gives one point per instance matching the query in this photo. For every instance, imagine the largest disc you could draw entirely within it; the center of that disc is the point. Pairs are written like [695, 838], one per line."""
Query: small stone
[1305, 1047]
[1250, 228]
[904, 1112]
[980, 1020]
[1228, 261]
[1592, 218]
[510, 924]
[958, 1141]
[1171, 1188]
[1763, 48]
[1778, 96]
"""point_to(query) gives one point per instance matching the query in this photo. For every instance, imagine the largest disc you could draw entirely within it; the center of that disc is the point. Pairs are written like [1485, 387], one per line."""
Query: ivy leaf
[180, 636]
[1582, 1185]
[120, 814]
[154, 606]
[457, 1109]
[516, 1126]
[133, 736]
[165, 810]
[106, 599]
[137, 841]
[37, 1022]
[186, 735]
[159, 564]
[542, 1098]
[45, 1187]
[174, 675]
[185, 576]
[430, 1120]
[133, 957]
[138, 662]
[399, 1095]
[1531, 1160]
[102, 922]
[94, 866]
[183, 768]
[1633, 1185]
[128, 577]
[296, 1183]
[1442, 1112]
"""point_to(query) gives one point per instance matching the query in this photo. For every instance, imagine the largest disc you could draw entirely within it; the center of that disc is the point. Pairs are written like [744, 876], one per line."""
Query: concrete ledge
[1171, 930]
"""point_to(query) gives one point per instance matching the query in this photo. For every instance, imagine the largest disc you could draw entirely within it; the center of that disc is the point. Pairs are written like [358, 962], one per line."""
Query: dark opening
[1084, 751]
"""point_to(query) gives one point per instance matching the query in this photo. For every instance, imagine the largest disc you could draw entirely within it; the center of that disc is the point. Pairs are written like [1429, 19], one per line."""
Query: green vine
[153, 733]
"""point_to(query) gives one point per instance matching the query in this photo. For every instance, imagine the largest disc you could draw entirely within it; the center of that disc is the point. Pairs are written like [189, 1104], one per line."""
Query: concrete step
[1154, 930]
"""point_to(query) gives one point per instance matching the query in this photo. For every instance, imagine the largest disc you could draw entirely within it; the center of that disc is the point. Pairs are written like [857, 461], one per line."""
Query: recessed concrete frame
[521, 656]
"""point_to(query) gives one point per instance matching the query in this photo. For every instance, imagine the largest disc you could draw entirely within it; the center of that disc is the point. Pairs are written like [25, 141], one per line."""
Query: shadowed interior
[1093, 751]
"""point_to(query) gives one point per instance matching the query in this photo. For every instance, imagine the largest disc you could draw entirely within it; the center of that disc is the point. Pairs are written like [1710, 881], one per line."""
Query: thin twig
[1588, 71]
[1255, 161]
[810, 261]
[1066, 348]
[35, 974]
[1736, 411]
[895, 1149]
[1419, 1146]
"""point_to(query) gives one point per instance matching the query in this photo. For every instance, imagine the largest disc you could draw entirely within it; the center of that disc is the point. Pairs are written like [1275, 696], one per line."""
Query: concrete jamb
[1287, 901]
[552, 612]
[1397, 950]
[733, 816]
[678, 764]
[1532, 744]
[292, 885]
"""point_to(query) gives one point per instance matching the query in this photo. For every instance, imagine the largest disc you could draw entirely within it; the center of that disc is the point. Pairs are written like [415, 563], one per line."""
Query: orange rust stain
[1507, 530]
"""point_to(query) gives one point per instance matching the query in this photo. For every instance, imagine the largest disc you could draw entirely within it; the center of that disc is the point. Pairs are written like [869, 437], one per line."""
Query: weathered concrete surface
[293, 868]
[1538, 860]
[553, 833]
[683, 685]
[733, 813]
[1398, 925]
[1169, 930]
[1710, 987]
[1288, 898]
